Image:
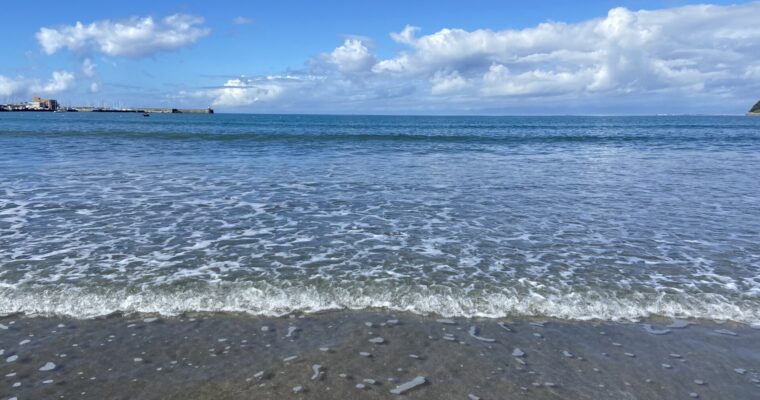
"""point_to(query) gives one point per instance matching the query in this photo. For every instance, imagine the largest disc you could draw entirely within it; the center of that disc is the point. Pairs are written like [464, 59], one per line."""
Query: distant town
[51, 105]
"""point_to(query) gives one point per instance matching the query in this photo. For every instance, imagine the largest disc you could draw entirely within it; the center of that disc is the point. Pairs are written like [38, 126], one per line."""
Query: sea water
[568, 217]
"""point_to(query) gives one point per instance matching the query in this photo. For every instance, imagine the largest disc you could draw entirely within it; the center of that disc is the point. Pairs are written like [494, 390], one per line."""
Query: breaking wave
[269, 300]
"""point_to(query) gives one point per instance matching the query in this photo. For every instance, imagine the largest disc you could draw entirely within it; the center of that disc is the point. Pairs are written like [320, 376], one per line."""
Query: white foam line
[269, 300]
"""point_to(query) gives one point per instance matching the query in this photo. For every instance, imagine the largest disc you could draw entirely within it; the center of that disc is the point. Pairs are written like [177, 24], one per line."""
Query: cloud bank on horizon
[705, 53]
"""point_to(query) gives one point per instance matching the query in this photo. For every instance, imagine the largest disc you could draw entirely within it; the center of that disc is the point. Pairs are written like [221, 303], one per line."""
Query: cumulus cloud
[244, 90]
[352, 56]
[61, 80]
[134, 37]
[237, 92]
[447, 82]
[688, 47]
[705, 52]
[25, 87]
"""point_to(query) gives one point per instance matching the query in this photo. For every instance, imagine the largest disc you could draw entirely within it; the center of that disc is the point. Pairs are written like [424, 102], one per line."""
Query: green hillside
[755, 108]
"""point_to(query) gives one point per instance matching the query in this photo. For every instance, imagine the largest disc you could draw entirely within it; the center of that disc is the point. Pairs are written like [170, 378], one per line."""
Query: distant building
[38, 103]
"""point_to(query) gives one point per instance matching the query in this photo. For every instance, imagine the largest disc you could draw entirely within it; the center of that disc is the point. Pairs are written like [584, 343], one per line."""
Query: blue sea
[612, 218]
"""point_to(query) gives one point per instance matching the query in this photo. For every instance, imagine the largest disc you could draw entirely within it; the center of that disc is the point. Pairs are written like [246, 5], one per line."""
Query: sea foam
[269, 300]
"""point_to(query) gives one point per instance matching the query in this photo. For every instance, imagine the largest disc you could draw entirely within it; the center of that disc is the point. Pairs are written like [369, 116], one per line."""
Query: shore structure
[37, 104]
[151, 110]
[51, 105]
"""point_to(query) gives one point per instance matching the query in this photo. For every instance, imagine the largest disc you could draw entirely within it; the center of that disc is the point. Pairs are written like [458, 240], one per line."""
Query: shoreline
[221, 356]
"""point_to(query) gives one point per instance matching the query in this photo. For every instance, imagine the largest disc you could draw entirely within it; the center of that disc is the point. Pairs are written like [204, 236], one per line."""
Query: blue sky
[397, 57]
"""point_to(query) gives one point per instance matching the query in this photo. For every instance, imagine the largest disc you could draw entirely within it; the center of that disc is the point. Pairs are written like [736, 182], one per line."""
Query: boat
[146, 114]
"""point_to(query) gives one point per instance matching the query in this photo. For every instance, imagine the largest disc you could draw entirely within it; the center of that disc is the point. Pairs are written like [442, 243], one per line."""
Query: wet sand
[356, 355]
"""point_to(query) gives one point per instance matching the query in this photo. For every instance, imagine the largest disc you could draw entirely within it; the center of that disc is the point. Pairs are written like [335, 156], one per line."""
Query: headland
[755, 110]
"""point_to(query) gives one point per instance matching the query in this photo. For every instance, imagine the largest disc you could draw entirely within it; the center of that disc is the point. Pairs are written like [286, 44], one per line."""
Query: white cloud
[352, 56]
[244, 91]
[406, 36]
[679, 57]
[61, 80]
[447, 82]
[88, 68]
[237, 92]
[691, 48]
[25, 87]
[12, 87]
[499, 81]
[398, 64]
[240, 20]
[134, 37]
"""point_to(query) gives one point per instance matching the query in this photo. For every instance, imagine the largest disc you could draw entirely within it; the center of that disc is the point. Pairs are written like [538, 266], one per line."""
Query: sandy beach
[374, 355]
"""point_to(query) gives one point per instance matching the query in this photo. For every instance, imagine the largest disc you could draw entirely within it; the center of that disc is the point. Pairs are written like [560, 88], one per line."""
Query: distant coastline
[51, 105]
[128, 110]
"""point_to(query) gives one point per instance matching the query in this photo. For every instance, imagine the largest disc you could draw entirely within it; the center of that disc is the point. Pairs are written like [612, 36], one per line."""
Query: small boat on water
[146, 114]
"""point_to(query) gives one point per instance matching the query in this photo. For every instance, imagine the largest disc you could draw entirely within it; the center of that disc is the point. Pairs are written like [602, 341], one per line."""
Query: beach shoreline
[367, 354]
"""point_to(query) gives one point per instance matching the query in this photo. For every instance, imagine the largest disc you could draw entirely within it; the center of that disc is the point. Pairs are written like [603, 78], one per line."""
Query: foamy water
[568, 217]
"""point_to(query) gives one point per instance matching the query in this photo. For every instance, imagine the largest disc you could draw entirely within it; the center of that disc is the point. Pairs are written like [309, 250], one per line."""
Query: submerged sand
[374, 355]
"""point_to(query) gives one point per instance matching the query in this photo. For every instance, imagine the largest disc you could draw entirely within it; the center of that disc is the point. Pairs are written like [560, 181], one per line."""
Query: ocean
[611, 218]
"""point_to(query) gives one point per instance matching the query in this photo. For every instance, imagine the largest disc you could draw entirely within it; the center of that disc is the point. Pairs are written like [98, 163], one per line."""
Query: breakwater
[143, 110]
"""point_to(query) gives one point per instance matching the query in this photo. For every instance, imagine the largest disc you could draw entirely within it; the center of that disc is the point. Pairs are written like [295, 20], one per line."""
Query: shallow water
[568, 217]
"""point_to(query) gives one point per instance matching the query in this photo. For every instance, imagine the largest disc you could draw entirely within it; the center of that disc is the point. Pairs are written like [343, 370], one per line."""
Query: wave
[266, 299]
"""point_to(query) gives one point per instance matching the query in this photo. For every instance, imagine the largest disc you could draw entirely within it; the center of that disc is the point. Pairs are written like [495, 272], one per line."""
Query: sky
[387, 57]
